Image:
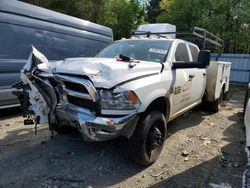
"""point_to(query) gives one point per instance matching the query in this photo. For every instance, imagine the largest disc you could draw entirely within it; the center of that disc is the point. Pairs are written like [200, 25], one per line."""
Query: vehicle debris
[206, 142]
[185, 153]
[186, 159]
[156, 175]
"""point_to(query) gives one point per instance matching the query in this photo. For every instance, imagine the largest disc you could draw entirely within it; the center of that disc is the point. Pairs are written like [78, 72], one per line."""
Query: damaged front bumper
[96, 128]
[69, 100]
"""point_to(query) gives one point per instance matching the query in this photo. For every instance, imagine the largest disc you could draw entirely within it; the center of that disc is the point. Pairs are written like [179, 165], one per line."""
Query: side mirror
[204, 58]
[202, 62]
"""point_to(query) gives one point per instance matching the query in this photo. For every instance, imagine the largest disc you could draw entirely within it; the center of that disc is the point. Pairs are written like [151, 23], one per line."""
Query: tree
[121, 15]
[227, 18]
[153, 10]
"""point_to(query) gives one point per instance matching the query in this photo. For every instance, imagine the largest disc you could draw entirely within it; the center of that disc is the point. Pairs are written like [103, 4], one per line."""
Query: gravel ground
[202, 150]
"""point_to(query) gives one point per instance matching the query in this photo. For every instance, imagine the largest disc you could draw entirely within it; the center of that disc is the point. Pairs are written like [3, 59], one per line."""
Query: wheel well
[160, 104]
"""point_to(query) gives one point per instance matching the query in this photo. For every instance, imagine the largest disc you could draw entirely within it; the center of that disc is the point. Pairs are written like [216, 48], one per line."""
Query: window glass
[181, 53]
[194, 52]
[67, 46]
[16, 41]
[145, 50]
[6, 40]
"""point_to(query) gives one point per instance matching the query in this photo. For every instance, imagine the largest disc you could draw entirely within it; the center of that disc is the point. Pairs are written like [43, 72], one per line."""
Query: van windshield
[144, 50]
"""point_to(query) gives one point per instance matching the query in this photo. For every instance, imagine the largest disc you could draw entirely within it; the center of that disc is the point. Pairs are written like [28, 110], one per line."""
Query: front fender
[152, 96]
[150, 88]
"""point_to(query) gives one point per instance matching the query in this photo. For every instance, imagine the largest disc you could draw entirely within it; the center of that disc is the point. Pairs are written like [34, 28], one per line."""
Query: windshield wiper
[125, 58]
[132, 61]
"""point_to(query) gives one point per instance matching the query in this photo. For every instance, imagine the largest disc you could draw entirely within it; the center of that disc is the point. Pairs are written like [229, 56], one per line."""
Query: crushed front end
[66, 99]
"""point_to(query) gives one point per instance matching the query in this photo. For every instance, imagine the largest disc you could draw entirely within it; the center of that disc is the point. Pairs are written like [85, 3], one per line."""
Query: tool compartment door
[218, 74]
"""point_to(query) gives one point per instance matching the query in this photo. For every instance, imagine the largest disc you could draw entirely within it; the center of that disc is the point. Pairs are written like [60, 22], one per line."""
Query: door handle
[191, 76]
[204, 74]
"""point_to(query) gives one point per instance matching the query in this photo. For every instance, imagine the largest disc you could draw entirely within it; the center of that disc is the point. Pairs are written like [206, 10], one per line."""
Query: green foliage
[121, 15]
[153, 10]
[227, 18]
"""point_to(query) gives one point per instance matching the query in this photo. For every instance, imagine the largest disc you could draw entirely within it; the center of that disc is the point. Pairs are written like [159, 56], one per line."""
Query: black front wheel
[148, 139]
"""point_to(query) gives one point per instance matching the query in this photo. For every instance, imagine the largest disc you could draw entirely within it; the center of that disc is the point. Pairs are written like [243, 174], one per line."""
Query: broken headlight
[126, 100]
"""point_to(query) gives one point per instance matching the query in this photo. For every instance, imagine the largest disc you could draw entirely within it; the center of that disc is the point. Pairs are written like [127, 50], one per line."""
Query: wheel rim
[154, 141]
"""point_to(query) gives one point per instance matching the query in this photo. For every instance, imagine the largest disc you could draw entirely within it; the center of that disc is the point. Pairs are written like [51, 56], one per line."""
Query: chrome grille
[88, 104]
[78, 91]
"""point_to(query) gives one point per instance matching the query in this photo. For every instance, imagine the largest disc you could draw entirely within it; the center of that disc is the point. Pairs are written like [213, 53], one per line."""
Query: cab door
[200, 79]
[187, 82]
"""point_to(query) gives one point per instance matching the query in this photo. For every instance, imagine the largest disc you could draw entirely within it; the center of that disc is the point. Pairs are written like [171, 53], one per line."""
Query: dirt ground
[202, 150]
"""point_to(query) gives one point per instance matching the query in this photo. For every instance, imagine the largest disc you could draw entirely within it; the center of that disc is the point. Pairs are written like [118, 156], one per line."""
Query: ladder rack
[204, 34]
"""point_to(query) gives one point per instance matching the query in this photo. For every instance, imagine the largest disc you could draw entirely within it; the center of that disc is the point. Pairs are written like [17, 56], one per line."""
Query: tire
[226, 96]
[216, 105]
[247, 96]
[62, 129]
[147, 142]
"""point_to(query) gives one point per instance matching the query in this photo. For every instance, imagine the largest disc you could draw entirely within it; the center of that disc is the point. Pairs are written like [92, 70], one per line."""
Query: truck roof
[28, 10]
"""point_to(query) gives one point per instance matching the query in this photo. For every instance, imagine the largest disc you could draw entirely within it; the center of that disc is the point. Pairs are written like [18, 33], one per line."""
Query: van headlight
[125, 100]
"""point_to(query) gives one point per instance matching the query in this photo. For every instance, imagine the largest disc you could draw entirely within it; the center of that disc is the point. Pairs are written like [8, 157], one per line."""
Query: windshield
[145, 50]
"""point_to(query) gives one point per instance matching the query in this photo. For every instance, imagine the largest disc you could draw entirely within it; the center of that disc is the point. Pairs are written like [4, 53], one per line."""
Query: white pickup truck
[132, 88]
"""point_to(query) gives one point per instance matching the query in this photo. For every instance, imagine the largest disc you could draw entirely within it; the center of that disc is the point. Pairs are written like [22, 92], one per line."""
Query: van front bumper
[97, 128]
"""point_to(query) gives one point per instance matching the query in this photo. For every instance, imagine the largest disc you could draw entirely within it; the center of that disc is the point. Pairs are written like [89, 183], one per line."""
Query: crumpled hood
[106, 72]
